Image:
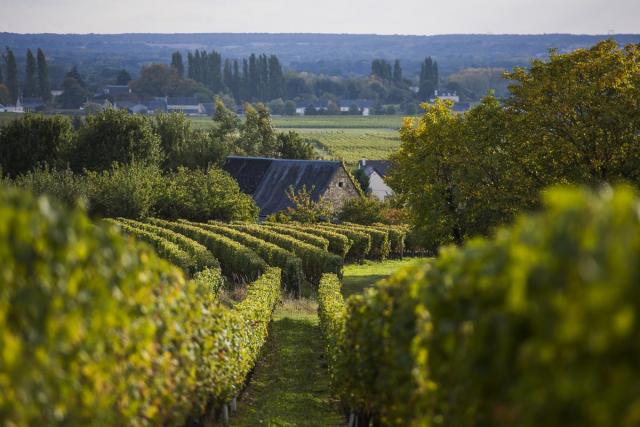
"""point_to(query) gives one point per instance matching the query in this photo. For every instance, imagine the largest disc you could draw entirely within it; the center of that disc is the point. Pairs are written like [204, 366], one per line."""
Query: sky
[419, 17]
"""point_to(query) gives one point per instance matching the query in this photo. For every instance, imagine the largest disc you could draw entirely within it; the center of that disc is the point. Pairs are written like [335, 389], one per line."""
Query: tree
[305, 209]
[289, 108]
[74, 93]
[397, 72]
[292, 146]
[12, 76]
[44, 87]
[123, 78]
[257, 136]
[31, 79]
[574, 117]
[5, 96]
[116, 136]
[177, 63]
[34, 140]
[428, 79]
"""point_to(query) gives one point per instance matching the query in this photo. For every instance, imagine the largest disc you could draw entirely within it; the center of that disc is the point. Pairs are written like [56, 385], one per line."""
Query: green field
[349, 138]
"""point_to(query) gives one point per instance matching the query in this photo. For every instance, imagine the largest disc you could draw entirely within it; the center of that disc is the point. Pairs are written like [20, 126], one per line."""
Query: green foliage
[536, 325]
[33, 140]
[380, 244]
[290, 145]
[362, 210]
[164, 248]
[199, 196]
[187, 147]
[332, 312]
[130, 191]
[210, 278]
[317, 241]
[361, 242]
[305, 209]
[202, 258]
[569, 119]
[76, 349]
[274, 255]
[397, 236]
[339, 244]
[238, 262]
[315, 261]
[116, 136]
[63, 185]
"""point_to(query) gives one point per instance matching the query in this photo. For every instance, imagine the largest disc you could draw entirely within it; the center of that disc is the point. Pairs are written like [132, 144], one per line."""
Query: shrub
[397, 236]
[129, 191]
[62, 185]
[116, 136]
[33, 140]
[536, 326]
[274, 255]
[238, 262]
[314, 261]
[200, 196]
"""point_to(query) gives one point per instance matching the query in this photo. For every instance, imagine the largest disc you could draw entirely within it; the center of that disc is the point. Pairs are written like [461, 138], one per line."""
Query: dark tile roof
[268, 180]
[380, 166]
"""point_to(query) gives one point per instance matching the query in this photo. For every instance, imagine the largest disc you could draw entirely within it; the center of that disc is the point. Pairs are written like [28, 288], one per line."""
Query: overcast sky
[321, 16]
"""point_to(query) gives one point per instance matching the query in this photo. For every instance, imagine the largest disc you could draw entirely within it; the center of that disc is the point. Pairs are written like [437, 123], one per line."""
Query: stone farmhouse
[268, 180]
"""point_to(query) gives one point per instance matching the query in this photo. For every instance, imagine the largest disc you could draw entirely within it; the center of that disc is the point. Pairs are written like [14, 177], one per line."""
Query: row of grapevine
[291, 265]
[202, 257]
[315, 261]
[537, 326]
[97, 330]
[237, 261]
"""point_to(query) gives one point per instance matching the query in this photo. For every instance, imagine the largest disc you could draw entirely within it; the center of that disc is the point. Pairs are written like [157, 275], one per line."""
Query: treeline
[36, 82]
[571, 118]
[261, 78]
[133, 166]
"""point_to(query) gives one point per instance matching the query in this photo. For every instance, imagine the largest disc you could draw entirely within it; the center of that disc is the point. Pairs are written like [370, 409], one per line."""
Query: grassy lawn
[290, 386]
[358, 277]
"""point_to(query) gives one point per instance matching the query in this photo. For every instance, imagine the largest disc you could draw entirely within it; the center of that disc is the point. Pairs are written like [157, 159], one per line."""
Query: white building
[376, 171]
[18, 108]
[446, 96]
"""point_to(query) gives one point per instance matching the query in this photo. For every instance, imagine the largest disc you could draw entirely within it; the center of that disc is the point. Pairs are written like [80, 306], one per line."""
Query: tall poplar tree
[177, 64]
[12, 75]
[397, 72]
[31, 79]
[44, 87]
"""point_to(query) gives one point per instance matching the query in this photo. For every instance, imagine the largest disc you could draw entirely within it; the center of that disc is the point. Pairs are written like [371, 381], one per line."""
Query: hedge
[361, 241]
[317, 241]
[380, 243]
[539, 325]
[238, 262]
[95, 329]
[314, 261]
[290, 264]
[166, 249]
[202, 257]
[339, 244]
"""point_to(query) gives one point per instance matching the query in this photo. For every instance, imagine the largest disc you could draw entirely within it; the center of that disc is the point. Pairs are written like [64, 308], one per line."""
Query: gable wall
[336, 195]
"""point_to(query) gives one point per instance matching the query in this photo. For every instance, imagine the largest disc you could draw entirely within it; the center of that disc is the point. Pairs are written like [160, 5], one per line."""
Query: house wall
[377, 186]
[336, 195]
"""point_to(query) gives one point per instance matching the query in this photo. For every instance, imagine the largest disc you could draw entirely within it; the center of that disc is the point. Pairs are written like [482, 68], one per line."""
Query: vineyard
[121, 322]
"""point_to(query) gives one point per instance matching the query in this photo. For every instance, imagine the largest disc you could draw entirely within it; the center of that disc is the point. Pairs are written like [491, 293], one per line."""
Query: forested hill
[337, 54]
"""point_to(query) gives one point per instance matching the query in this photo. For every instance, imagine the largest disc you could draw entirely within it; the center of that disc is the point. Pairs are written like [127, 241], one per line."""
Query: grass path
[358, 277]
[290, 386]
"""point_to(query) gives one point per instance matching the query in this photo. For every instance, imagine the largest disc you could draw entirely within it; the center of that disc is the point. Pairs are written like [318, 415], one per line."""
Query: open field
[352, 145]
[358, 277]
